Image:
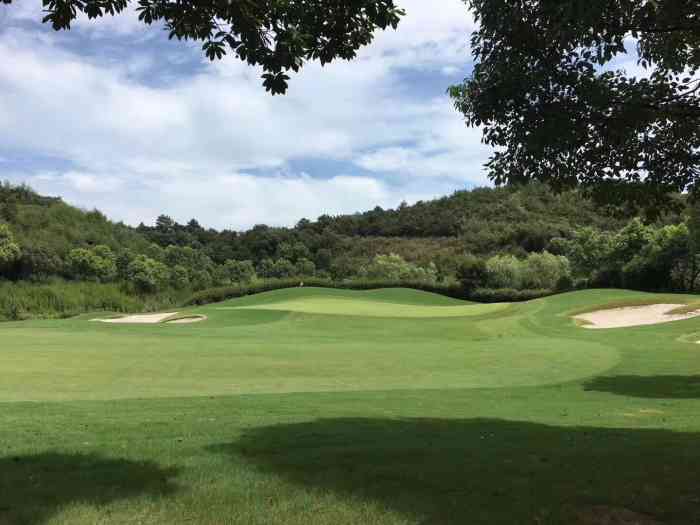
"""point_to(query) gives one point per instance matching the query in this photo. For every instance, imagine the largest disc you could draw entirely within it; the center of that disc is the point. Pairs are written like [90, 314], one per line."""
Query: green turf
[311, 406]
[370, 304]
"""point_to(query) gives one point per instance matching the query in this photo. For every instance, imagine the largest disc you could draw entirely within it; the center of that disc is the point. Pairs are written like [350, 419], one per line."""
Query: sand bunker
[188, 320]
[138, 319]
[634, 316]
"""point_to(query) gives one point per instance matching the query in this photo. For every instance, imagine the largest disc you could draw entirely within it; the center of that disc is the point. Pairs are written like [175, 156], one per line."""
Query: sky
[111, 115]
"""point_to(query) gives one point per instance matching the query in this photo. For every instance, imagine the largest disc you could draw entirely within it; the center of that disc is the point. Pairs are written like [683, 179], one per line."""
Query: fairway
[321, 406]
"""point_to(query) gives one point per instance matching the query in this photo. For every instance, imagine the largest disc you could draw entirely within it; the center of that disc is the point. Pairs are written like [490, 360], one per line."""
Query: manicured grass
[273, 411]
[367, 308]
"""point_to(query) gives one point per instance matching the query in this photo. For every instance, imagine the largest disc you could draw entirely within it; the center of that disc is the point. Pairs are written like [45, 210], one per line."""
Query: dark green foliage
[523, 216]
[638, 256]
[147, 275]
[547, 95]
[483, 221]
[277, 35]
[241, 272]
[47, 229]
[471, 272]
[506, 295]
[98, 263]
[305, 267]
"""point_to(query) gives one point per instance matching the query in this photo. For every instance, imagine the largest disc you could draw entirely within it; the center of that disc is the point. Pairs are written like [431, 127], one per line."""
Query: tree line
[513, 238]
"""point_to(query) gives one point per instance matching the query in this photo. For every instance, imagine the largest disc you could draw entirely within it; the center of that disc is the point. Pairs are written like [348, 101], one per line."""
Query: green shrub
[506, 295]
[544, 270]
[238, 271]
[98, 263]
[471, 272]
[393, 267]
[504, 271]
[148, 275]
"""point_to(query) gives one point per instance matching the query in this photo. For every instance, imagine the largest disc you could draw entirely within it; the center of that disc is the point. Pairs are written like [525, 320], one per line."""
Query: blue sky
[114, 116]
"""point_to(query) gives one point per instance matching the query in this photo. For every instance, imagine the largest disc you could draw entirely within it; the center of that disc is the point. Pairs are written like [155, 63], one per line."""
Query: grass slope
[269, 414]
[389, 303]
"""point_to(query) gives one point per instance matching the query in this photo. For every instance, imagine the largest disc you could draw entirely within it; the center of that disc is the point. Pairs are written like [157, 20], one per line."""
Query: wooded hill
[431, 241]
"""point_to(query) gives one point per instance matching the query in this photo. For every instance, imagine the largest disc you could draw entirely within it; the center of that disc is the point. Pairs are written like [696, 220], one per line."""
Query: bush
[471, 272]
[148, 275]
[506, 295]
[305, 267]
[504, 271]
[98, 263]
[544, 270]
[179, 277]
[283, 268]
[238, 271]
[393, 267]
[201, 279]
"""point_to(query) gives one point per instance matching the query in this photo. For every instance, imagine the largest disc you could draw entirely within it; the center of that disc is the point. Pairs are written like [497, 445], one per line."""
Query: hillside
[517, 238]
[47, 229]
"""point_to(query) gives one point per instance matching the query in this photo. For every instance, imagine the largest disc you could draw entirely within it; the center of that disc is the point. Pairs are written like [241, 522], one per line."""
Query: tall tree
[550, 92]
[278, 35]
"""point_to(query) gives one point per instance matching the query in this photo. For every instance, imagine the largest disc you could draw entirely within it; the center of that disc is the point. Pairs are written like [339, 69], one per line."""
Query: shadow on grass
[437, 471]
[659, 387]
[34, 488]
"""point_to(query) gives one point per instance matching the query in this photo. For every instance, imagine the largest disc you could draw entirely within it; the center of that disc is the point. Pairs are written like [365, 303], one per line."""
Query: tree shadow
[482, 471]
[35, 487]
[658, 387]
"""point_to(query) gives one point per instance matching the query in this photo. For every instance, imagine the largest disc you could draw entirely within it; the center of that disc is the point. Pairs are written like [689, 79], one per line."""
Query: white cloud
[236, 200]
[86, 183]
[191, 136]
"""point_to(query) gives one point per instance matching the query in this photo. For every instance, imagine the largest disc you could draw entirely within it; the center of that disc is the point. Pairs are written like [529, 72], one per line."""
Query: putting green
[285, 341]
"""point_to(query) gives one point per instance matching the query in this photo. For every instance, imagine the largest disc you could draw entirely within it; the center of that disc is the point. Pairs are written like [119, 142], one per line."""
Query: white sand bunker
[138, 319]
[634, 316]
[188, 319]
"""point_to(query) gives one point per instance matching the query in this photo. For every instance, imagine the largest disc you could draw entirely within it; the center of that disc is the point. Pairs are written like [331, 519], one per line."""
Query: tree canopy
[600, 93]
[278, 35]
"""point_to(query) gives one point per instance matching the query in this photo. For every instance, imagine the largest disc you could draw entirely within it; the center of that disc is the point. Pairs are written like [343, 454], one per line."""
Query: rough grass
[263, 416]
[60, 299]
[690, 308]
[630, 299]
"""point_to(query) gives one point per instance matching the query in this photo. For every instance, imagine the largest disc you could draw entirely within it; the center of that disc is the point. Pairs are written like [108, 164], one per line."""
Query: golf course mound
[389, 303]
[629, 316]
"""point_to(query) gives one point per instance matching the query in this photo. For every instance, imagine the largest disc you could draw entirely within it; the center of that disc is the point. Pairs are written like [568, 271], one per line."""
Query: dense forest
[485, 243]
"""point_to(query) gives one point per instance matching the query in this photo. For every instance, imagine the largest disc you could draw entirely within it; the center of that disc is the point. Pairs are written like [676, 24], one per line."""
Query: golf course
[319, 406]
